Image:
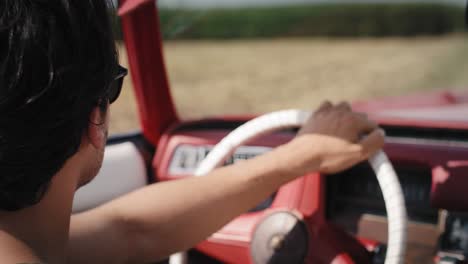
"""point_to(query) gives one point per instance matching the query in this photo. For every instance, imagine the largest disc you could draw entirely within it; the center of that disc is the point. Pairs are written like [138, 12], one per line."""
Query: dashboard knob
[281, 237]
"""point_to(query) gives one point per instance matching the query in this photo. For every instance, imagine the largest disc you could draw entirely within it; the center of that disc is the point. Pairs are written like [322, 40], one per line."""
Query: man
[58, 75]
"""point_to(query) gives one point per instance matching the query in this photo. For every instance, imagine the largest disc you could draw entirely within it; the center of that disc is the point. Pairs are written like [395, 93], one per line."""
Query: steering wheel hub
[281, 237]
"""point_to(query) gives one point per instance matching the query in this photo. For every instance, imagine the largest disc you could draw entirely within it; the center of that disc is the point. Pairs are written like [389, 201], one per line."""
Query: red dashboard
[430, 163]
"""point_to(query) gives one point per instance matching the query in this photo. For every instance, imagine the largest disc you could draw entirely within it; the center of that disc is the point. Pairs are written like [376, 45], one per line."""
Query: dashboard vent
[186, 158]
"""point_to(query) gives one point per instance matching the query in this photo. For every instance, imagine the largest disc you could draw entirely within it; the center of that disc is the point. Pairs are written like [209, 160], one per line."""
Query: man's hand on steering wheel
[331, 140]
[338, 136]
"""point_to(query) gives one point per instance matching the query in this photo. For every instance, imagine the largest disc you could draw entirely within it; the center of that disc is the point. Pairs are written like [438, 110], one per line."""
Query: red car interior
[431, 174]
[340, 218]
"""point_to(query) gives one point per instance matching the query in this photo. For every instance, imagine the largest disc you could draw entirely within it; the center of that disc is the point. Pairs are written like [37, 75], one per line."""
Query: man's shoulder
[13, 250]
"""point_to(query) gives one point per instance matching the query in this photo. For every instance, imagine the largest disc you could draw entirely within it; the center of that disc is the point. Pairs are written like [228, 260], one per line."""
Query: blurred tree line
[318, 20]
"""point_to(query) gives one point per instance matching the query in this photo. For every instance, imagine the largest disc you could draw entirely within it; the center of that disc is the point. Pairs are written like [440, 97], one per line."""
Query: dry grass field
[256, 76]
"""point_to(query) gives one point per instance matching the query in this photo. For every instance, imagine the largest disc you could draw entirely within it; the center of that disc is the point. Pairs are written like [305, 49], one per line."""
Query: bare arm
[158, 220]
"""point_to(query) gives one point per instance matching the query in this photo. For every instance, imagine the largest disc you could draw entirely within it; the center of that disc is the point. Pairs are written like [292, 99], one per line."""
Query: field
[255, 76]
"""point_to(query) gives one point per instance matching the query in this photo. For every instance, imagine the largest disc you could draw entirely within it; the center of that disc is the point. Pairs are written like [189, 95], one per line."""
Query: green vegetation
[335, 20]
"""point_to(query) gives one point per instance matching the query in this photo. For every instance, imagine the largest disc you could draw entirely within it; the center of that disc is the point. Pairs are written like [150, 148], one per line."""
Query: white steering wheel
[386, 176]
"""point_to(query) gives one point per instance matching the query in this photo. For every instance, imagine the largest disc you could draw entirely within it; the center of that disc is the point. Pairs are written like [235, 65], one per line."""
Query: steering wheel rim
[386, 176]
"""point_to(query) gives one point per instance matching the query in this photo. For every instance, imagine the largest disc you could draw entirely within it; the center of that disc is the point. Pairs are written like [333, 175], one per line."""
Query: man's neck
[44, 227]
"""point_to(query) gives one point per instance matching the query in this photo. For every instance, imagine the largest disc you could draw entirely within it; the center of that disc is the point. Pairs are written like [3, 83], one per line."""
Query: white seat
[123, 170]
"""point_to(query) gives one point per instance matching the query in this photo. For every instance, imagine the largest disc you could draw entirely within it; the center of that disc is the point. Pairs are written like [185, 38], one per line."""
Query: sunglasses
[116, 86]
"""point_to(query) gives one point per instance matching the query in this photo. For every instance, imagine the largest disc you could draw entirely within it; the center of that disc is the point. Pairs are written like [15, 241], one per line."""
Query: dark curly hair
[57, 58]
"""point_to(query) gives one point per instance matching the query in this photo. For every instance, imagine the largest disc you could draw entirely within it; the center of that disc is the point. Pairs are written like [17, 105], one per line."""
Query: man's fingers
[372, 143]
[324, 106]
[362, 115]
[344, 106]
[365, 125]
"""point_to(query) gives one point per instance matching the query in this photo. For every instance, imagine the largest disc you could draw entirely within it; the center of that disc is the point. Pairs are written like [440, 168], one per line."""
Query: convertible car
[343, 218]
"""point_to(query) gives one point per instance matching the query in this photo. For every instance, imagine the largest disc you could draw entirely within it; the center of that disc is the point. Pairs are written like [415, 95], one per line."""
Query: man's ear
[97, 127]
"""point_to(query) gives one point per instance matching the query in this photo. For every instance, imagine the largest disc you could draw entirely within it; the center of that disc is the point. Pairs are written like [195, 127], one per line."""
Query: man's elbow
[143, 243]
